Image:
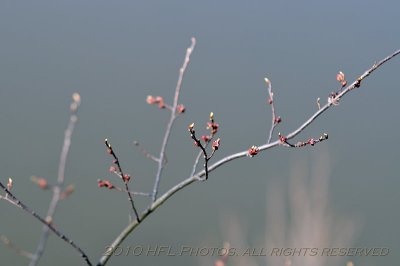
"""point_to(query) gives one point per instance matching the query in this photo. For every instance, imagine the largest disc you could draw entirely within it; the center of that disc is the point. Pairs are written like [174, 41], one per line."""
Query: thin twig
[21, 205]
[146, 153]
[127, 230]
[196, 161]
[272, 104]
[202, 148]
[172, 118]
[135, 193]
[110, 186]
[57, 194]
[15, 248]
[124, 177]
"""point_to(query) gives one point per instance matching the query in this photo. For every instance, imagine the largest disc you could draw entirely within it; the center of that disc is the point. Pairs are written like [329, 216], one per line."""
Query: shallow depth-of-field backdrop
[115, 53]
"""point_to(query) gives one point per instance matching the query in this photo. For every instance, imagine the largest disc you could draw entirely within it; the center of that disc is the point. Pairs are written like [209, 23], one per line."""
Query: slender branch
[21, 205]
[172, 118]
[146, 153]
[196, 161]
[123, 176]
[202, 148]
[109, 185]
[57, 194]
[159, 201]
[275, 120]
[15, 248]
[310, 141]
[144, 194]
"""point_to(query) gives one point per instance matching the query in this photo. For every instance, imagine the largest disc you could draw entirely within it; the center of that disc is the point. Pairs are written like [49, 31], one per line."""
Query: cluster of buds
[310, 141]
[333, 96]
[212, 125]
[253, 151]
[282, 138]
[341, 78]
[105, 183]
[277, 120]
[40, 181]
[156, 100]
[180, 108]
[216, 143]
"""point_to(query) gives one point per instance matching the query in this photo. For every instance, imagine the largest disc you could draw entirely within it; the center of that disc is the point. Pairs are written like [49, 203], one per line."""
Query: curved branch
[158, 202]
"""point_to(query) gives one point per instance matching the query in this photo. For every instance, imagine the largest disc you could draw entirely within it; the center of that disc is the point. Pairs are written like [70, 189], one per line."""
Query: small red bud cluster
[40, 181]
[206, 138]
[213, 127]
[180, 108]
[216, 143]
[126, 177]
[277, 120]
[341, 78]
[253, 151]
[156, 100]
[282, 138]
[105, 183]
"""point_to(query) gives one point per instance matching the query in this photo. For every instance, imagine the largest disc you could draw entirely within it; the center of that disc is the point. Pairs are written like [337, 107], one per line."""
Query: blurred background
[115, 53]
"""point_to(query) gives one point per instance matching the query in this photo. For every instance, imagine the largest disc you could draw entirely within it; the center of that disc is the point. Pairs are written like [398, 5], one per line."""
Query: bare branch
[275, 120]
[15, 248]
[123, 176]
[21, 205]
[145, 152]
[159, 201]
[172, 118]
[57, 193]
[109, 185]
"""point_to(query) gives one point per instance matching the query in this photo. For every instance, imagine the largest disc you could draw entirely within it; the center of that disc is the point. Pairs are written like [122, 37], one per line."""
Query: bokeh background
[115, 53]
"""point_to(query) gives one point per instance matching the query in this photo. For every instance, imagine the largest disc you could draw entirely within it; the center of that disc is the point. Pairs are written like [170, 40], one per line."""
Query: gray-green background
[115, 53]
